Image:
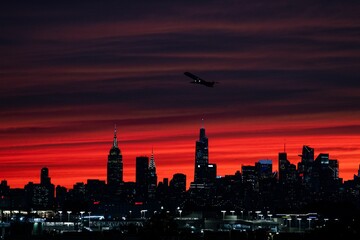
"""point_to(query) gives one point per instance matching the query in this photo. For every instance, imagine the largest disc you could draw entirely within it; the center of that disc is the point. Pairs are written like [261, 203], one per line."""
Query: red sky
[287, 72]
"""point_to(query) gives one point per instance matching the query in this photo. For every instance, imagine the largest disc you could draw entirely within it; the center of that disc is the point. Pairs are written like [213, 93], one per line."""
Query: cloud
[70, 72]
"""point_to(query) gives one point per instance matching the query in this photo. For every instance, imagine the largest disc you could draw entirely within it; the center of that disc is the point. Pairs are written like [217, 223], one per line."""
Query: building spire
[115, 143]
[152, 160]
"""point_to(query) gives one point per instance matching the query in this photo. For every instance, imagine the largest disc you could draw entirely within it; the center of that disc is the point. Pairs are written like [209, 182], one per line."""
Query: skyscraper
[152, 176]
[325, 174]
[141, 177]
[142, 165]
[114, 165]
[287, 170]
[204, 172]
[306, 165]
[44, 176]
[263, 168]
[201, 157]
[41, 196]
[178, 183]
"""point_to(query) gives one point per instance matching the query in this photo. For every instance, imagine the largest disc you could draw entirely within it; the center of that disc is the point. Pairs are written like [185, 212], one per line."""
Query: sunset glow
[288, 76]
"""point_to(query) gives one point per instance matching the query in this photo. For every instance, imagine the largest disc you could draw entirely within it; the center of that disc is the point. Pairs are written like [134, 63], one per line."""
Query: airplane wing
[192, 76]
[198, 80]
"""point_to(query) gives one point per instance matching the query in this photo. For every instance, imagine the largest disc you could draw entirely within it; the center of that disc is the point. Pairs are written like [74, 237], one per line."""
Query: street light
[68, 212]
[60, 212]
[299, 219]
[242, 214]
[232, 212]
[289, 220]
[81, 213]
[325, 219]
[143, 212]
[7, 214]
[179, 210]
[223, 212]
[309, 219]
[257, 214]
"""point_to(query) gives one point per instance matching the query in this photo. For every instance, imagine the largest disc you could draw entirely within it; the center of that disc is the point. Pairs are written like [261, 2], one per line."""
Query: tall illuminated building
[204, 172]
[306, 165]
[283, 166]
[325, 174]
[287, 170]
[263, 168]
[152, 176]
[201, 156]
[288, 178]
[44, 176]
[114, 165]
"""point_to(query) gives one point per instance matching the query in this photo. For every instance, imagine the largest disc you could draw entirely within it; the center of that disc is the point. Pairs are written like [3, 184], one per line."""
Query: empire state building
[114, 165]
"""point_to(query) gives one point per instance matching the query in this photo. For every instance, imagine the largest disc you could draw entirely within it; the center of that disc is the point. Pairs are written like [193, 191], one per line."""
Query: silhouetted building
[254, 190]
[306, 165]
[141, 178]
[41, 196]
[264, 169]
[288, 183]
[201, 157]
[178, 183]
[152, 177]
[352, 190]
[44, 176]
[266, 183]
[163, 189]
[283, 164]
[4, 189]
[114, 167]
[4, 195]
[325, 175]
[94, 190]
[19, 199]
[249, 175]
[204, 172]
[78, 191]
[287, 171]
[61, 193]
[250, 185]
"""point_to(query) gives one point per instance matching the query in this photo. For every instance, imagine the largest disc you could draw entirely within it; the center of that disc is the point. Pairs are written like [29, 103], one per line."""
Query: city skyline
[287, 72]
[201, 165]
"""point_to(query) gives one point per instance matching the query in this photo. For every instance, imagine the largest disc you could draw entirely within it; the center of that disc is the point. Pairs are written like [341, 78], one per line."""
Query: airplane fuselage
[198, 80]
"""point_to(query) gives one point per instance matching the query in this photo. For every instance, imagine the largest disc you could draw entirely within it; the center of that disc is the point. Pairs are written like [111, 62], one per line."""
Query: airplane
[198, 80]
